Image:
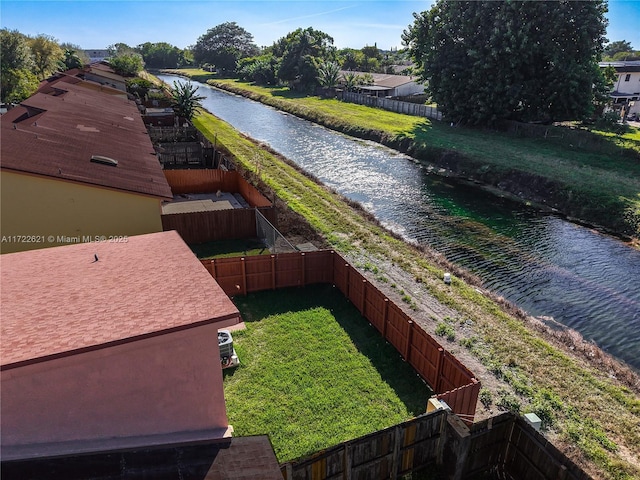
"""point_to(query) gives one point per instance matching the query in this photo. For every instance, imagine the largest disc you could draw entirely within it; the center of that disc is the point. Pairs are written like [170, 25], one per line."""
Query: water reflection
[545, 265]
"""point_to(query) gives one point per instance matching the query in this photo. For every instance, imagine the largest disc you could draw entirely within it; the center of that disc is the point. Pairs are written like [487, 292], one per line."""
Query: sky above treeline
[96, 24]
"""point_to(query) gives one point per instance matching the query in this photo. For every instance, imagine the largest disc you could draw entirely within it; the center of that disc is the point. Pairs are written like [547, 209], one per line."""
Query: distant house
[387, 85]
[626, 89]
[108, 346]
[103, 74]
[77, 163]
[97, 55]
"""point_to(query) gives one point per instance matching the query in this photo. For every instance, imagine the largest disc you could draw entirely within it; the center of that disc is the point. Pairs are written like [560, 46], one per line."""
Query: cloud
[319, 14]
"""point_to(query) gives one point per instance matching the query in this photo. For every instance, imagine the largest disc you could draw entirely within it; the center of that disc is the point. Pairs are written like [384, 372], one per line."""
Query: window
[628, 77]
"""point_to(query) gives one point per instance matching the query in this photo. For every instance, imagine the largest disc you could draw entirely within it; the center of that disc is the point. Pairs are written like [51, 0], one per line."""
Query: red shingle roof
[59, 300]
[56, 134]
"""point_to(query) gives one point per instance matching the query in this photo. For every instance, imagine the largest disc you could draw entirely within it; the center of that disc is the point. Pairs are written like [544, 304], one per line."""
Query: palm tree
[329, 74]
[351, 81]
[186, 102]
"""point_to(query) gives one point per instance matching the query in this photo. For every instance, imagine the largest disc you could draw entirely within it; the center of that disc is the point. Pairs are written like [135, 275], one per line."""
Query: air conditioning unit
[228, 357]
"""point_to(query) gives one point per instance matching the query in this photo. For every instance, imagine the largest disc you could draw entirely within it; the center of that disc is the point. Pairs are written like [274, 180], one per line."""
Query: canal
[542, 263]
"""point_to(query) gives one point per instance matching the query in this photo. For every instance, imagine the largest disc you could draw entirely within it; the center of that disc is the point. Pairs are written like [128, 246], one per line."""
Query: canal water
[547, 266]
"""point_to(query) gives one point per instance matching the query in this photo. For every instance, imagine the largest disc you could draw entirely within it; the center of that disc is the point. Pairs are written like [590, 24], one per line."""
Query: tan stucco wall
[158, 386]
[47, 209]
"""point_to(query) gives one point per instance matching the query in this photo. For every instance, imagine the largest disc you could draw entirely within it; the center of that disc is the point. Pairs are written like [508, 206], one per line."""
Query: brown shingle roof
[71, 124]
[59, 300]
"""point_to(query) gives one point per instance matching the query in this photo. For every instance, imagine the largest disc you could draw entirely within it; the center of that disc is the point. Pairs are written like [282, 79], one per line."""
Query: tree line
[481, 61]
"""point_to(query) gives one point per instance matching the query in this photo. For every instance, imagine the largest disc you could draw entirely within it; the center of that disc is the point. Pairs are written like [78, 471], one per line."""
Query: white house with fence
[626, 88]
[388, 85]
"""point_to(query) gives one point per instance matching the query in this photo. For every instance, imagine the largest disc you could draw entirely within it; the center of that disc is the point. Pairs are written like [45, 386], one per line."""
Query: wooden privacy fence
[201, 227]
[387, 453]
[503, 447]
[393, 105]
[450, 379]
[210, 181]
[507, 444]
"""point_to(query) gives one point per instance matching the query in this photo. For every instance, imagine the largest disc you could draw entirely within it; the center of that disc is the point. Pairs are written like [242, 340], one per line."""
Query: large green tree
[161, 55]
[47, 55]
[127, 64]
[616, 47]
[301, 53]
[223, 46]
[18, 79]
[531, 61]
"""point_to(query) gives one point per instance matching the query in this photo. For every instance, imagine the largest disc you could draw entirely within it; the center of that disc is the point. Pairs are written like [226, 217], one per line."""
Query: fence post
[302, 269]
[244, 276]
[346, 462]
[364, 297]
[213, 264]
[395, 459]
[439, 370]
[407, 348]
[385, 318]
[347, 282]
[273, 272]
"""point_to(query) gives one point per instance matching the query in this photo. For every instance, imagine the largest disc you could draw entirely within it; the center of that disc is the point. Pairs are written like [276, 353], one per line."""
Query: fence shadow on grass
[393, 370]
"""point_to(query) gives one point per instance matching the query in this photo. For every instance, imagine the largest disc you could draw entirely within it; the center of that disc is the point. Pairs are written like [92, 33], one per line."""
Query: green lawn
[315, 373]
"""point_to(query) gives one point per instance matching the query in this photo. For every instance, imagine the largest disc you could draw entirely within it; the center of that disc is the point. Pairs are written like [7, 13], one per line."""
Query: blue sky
[98, 24]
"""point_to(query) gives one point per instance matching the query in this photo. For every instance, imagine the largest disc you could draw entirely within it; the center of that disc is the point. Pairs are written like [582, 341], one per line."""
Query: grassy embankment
[583, 406]
[314, 374]
[598, 184]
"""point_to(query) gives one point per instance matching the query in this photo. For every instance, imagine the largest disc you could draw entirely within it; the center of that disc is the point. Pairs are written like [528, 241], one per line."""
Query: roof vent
[104, 160]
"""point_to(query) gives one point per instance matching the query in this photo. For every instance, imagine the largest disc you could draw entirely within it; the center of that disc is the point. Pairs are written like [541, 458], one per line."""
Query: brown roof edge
[123, 341]
[83, 181]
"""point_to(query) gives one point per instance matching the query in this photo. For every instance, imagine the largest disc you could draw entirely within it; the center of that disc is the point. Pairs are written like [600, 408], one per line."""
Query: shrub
[486, 397]
[446, 330]
[509, 402]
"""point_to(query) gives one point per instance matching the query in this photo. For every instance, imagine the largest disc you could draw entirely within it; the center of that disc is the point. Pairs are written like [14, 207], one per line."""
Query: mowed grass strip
[315, 373]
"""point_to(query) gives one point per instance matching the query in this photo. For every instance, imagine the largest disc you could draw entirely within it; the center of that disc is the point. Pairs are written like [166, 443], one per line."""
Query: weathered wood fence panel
[388, 453]
[509, 447]
[530, 456]
[408, 108]
[489, 440]
[503, 447]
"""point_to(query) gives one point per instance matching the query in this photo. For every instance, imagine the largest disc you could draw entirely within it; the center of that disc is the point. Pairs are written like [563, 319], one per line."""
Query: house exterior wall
[43, 207]
[630, 86]
[408, 89]
[157, 386]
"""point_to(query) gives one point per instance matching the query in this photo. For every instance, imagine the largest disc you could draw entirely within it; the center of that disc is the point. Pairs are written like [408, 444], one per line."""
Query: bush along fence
[503, 447]
[397, 106]
[451, 380]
